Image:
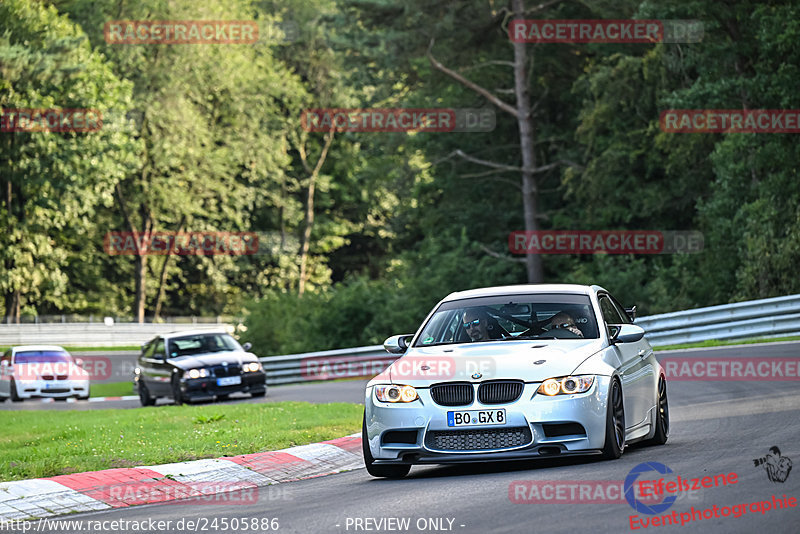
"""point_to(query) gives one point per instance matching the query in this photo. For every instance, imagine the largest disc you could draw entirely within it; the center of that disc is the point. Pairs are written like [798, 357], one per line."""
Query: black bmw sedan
[197, 365]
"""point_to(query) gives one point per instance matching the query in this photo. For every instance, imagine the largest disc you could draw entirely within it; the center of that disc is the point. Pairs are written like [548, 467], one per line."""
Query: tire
[14, 395]
[259, 394]
[615, 423]
[380, 471]
[144, 395]
[662, 416]
[177, 394]
[224, 397]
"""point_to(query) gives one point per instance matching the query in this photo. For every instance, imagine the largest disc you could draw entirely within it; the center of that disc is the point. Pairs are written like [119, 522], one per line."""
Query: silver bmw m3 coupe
[515, 372]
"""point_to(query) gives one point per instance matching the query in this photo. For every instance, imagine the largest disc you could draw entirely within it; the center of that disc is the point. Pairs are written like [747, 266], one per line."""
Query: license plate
[476, 417]
[229, 381]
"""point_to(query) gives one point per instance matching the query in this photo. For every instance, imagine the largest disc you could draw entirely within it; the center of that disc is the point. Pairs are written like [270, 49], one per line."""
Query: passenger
[564, 321]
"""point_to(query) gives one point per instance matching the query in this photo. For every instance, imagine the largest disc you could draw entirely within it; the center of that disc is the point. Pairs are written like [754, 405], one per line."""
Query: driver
[476, 323]
[563, 320]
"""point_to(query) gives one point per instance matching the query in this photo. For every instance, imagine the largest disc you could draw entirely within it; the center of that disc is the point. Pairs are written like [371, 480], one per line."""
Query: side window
[621, 311]
[147, 352]
[160, 350]
[609, 311]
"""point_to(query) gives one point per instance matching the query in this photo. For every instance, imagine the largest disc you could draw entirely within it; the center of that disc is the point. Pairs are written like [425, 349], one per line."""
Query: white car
[41, 371]
[515, 372]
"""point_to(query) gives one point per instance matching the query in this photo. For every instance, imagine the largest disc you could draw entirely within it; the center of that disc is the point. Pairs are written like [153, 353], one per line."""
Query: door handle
[642, 353]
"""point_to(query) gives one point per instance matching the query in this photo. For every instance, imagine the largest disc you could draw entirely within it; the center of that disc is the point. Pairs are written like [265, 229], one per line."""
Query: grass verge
[112, 389]
[45, 443]
[719, 343]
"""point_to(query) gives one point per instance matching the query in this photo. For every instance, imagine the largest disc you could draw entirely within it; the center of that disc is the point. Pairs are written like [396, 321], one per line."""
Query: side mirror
[247, 346]
[631, 313]
[158, 356]
[626, 333]
[397, 344]
[4, 363]
[79, 362]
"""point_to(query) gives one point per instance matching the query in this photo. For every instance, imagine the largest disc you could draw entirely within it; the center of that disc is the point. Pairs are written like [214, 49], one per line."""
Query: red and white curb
[118, 488]
[91, 399]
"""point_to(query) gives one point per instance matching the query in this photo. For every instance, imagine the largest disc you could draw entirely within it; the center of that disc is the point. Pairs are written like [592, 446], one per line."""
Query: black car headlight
[566, 385]
[196, 373]
[395, 393]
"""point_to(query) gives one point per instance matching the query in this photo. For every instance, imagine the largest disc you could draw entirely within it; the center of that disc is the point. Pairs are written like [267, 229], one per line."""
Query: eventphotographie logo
[777, 467]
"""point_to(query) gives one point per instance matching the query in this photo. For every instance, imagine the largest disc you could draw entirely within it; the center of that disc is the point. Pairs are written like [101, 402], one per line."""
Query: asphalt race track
[717, 427]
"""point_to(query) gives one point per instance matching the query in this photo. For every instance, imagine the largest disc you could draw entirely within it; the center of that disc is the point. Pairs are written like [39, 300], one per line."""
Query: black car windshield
[42, 356]
[201, 343]
[541, 316]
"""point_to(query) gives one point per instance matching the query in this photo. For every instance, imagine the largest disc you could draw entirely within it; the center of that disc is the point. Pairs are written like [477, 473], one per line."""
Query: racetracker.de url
[144, 526]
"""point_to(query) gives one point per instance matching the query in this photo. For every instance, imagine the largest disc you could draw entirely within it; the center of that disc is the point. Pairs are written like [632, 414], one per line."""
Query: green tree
[52, 182]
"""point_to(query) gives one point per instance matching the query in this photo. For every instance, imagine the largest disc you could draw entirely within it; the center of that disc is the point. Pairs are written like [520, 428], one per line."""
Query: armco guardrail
[327, 365]
[90, 334]
[772, 317]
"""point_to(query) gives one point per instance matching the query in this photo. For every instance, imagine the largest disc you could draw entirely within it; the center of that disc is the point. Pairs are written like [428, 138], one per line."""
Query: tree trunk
[162, 279]
[13, 296]
[141, 290]
[309, 218]
[527, 135]
[309, 222]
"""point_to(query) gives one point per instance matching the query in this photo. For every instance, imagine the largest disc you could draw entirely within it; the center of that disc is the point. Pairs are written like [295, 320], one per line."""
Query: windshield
[201, 343]
[42, 356]
[542, 316]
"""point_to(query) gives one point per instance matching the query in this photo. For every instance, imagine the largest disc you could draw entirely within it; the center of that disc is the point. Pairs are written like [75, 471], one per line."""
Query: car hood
[207, 359]
[528, 360]
[35, 371]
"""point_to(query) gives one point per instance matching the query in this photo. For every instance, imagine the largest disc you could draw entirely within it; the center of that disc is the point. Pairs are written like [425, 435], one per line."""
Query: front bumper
[207, 388]
[540, 425]
[55, 389]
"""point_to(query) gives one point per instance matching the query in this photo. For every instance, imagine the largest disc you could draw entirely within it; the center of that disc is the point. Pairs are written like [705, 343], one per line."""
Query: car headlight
[393, 393]
[252, 367]
[566, 385]
[195, 373]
